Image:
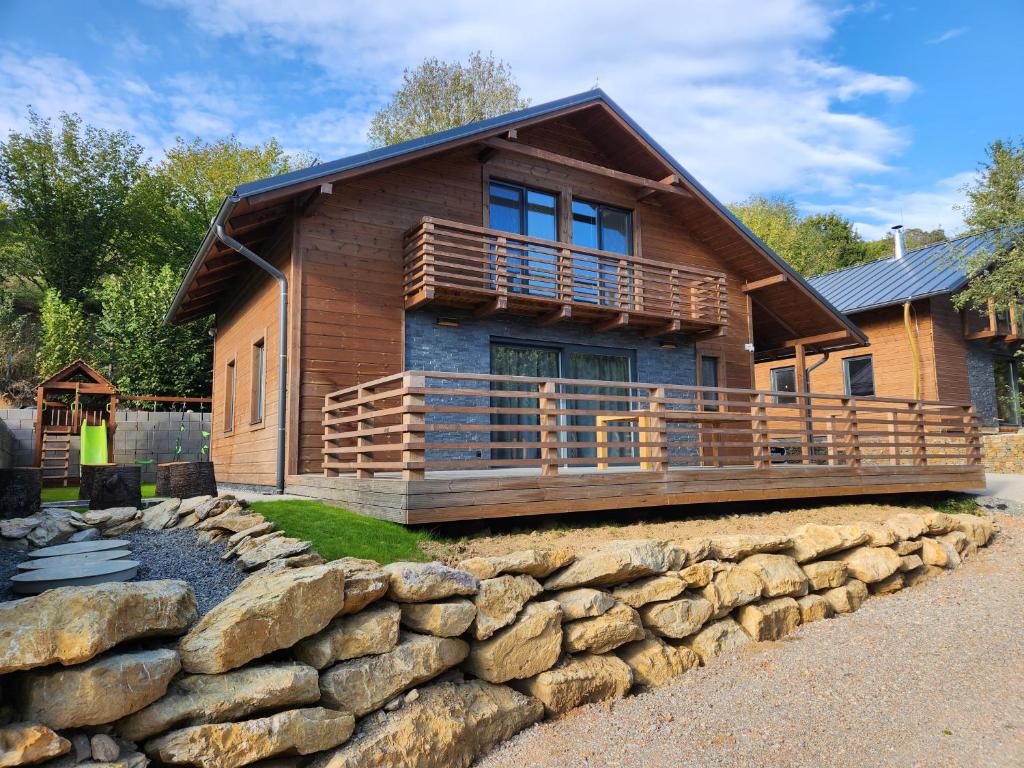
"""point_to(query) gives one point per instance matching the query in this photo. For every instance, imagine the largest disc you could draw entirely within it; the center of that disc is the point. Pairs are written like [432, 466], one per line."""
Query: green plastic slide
[94, 443]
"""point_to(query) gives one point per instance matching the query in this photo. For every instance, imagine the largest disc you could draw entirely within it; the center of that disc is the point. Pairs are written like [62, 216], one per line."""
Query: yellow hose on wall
[915, 355]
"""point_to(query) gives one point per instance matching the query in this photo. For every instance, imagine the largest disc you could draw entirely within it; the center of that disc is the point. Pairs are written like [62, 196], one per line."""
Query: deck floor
[446, 496]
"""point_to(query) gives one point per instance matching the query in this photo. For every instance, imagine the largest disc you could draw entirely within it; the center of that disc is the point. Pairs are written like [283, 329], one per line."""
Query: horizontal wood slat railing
[420, 421]
[446, 256]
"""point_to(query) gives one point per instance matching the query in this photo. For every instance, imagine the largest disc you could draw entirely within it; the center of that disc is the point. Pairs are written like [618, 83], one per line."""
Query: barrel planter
[185, 479]
[20, 489]
[116, 486]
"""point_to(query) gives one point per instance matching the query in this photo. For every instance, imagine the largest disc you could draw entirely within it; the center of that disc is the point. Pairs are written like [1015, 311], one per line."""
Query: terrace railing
[421, 421]
[490, 270]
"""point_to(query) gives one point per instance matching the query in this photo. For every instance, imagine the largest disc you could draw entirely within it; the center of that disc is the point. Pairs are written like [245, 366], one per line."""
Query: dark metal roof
[929, 271]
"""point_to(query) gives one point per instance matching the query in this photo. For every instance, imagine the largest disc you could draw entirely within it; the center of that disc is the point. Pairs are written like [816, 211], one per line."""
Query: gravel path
[931, 676]
[173, 554]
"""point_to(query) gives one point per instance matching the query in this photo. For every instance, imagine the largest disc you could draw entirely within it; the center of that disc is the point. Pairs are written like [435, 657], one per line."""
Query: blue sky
[880, 110]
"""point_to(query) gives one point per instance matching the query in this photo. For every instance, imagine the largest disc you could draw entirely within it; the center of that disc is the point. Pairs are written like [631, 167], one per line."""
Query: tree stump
[85, 481]
[116, 487]
[20, 489]
[185, 479]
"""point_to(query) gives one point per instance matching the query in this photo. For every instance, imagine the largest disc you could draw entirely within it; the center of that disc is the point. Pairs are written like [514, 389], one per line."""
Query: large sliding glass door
[1008, 391]
[600, 367]
[517, 360]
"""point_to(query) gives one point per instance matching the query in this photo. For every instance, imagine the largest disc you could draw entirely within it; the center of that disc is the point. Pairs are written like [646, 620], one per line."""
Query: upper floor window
[784, 380]
[859, 374]
[602, 227]
[523, 210]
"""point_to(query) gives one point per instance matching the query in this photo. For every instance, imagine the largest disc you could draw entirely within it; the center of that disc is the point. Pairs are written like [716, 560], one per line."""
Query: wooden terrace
[421, 447]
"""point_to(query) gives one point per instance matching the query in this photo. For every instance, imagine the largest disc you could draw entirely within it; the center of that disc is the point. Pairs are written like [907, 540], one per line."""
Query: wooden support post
[762, 447]
[830, 441]
[803, 403]
[364, 443]
[565, 276]
[853, 454]
[411, 418]
[973, 434]
[657, 432]
[548, 402]
[501, 268]
[894, 430]
[920, 436]
[40, 414]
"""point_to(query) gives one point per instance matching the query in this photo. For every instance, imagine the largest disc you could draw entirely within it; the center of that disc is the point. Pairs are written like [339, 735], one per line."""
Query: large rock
[448, 618]
[526, 648]
[812, 541]
[579, 680]
[654, 662]
[267, 612]
[229, 745]
[741, 545]
[959, 541]
[888, 585]
[779, 574]
[847, 598]
[814, 608]
[871, 564]
[825, 574]
[274, 549]
[201, 699]
[613, 564]
[72, 624]
[907, 547]
[715, 639]
[732, 588]
[583, 603]
[770, 620]
[978, 529]
[26, 743]
[906, 526]
[879, 534]
[939, 553]
[910, 563]
[98, 692]
[649, 590]
[449, 725]
[938, 523]
[620, 625]
[157, 517]
[365, 582]
[921, 575]
[362, 685]
[677, 618]
[530, 562]
[685, 552]
[423, 582]
[367, 633]
[499, 601]
[699, 575]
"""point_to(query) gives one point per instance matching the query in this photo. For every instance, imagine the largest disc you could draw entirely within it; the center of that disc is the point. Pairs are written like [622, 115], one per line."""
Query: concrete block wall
[6, 446]
[982, 381]
[140, 436]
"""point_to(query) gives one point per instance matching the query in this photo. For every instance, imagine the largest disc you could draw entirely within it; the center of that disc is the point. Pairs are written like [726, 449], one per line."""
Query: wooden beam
[621, 320]
[673, 179]
[486, 155]
[821, 338]
[512, 134]
[643, 194]
[557, 315]
[755, 285]
[316, 199]
[581, 165]
[498, 304]
[673, 326]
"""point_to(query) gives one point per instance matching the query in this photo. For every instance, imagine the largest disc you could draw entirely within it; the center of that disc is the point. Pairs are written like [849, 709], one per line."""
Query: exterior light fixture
[447, 322]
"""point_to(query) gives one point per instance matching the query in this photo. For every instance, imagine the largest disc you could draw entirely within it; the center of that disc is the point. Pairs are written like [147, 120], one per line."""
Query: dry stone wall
[1005, 453]
[346, 663]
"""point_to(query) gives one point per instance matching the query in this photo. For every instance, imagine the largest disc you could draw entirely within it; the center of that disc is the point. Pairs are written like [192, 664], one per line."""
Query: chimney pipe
[897, 236]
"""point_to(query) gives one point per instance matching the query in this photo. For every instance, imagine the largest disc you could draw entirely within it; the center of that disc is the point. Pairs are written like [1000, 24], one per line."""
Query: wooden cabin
[920, 345]
[540, 312]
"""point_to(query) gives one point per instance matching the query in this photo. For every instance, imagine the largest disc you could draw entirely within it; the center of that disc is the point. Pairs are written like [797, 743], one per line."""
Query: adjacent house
[919, 344]
[538, 312]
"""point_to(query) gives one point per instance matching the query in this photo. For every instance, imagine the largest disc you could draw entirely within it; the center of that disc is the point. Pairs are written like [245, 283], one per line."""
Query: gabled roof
[929, 271]
[79, 371]
[263, 203]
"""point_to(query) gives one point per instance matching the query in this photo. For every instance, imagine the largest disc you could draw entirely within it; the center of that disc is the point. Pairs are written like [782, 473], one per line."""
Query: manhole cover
[73, 575]
[83, 558]
[79, 547]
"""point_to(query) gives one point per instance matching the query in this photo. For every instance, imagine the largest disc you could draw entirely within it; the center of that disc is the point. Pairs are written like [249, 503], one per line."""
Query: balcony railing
[417, 421]
[489, 271]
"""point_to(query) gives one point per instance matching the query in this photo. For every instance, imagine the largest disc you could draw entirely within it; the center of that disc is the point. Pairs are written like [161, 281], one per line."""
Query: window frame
[701, 357]
[230, 388]
[846, 374]
[258, 383]
[570, 236]
[783, 399]
[524, 212]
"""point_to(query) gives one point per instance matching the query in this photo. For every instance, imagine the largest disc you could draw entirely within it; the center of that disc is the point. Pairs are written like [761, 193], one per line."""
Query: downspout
[914, 353]
[807, 372]
[282, 379]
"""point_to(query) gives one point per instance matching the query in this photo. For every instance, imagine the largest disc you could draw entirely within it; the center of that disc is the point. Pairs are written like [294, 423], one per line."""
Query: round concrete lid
[83, 558]
[34, 582]
[79, 547]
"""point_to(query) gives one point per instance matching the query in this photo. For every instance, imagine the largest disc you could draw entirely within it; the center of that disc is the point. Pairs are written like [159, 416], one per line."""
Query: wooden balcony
[430, 446]
[488, 271]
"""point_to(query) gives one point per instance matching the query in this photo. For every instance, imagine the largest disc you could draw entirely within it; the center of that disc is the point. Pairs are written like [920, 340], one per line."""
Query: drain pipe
[807, 372]
[282, 378]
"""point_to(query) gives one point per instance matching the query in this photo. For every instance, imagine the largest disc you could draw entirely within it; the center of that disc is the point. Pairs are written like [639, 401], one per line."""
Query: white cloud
[949, 34]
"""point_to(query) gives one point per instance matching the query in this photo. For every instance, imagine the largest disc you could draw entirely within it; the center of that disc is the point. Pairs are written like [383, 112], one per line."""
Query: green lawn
[71, 493]
[338, 533]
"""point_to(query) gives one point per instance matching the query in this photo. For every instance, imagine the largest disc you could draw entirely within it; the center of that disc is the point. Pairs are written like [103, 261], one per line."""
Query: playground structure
[79, 401]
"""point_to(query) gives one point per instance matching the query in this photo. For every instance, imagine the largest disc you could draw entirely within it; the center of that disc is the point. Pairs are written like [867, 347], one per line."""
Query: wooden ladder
[56, 463]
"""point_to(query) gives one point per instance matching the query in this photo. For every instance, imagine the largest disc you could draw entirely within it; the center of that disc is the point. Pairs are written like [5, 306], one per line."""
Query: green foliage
[439, 95]
[145, 355]
[65, 334]
[71, 494]
[69, 209]
[996, 201]
[18, 342]
[812, 245]
[913, 238]
[339, 533]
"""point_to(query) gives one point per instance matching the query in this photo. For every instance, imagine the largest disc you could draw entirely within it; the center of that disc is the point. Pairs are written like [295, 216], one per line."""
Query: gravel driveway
[932, 676]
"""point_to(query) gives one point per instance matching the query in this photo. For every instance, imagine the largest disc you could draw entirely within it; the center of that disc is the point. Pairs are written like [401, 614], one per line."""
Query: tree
[65, 334]
[69, 214]
[913, 238]
[18, 343]
[995, 201]
[144, 355]
[438, 95]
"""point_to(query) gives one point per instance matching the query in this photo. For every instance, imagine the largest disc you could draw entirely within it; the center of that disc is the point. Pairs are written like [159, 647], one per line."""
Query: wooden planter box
[20, 489]
[185, 479]
[115, 486]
